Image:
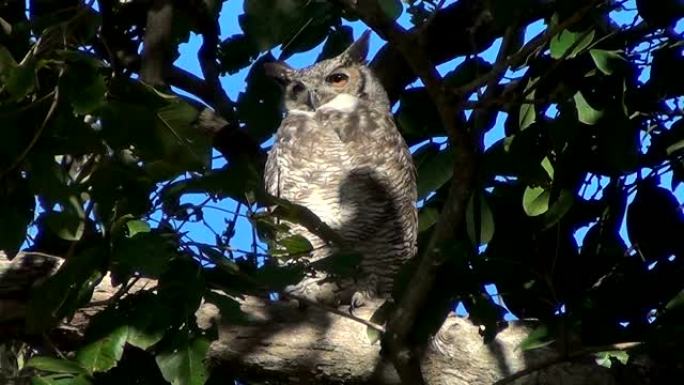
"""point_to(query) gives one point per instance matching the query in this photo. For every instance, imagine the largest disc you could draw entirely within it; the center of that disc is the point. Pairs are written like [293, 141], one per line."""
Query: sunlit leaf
[538, 338]
[569, 44]
[585, 112]
[296, 245]
[137, 226]
[435, 171]
[479, 220]
[607, 61]
[536, 201]
[55, 365]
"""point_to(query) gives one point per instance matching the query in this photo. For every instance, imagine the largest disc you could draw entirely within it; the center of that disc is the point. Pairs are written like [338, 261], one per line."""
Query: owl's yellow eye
[337, 80]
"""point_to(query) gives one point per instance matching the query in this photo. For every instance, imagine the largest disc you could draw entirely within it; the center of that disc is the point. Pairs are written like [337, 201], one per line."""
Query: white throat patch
[301, 112]
[341, 102]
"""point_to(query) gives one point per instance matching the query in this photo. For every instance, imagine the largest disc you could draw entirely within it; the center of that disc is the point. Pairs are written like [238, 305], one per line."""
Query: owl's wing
[382, 181]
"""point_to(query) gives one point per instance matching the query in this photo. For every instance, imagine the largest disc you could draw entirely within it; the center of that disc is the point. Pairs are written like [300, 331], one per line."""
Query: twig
[526, 50]
[37, 134]
[568, 357]
[334, 310]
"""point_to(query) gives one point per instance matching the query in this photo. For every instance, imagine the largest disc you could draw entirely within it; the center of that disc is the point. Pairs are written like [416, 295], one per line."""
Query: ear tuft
[358, 51]
[280, 71]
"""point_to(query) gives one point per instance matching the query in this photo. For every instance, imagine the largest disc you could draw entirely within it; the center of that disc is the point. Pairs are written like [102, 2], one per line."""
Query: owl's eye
[298, 88]
[337, 80]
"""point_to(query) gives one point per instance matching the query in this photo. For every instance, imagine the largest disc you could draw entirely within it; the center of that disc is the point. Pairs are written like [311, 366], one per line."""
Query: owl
[338, 153]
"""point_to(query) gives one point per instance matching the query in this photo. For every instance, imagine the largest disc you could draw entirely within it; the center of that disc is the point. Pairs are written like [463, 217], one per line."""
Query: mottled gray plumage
[339, 153]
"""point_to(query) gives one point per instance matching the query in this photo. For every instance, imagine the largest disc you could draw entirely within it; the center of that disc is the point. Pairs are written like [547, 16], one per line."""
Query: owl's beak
[313, 100]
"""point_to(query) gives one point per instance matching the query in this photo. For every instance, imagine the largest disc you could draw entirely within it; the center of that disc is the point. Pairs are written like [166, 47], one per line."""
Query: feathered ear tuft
[358, 51]
[279, 71]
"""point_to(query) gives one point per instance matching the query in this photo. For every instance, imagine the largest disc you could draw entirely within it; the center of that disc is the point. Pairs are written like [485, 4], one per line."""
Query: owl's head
[312, 87]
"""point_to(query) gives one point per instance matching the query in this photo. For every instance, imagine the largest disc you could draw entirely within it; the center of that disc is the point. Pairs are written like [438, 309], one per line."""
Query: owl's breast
[306, 166]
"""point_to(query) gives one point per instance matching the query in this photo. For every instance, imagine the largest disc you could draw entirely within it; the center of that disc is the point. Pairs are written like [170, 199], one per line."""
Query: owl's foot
[314, 290]
[360, 299]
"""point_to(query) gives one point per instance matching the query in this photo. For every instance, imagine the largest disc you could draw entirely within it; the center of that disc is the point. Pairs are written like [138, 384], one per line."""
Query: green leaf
[391, 8]
[105, 353]
[565, 40]
[605, 359]
[536, 201]
[272, 22]
[145, 253]
[559, 208]
[185, 364]
[82, 84]
[528, 115]
[466, 72]
[296, 245]
[7, 62]
[586, 113]
[538, 338]
[548, 167]
[677, 301]
[60, 379]
[417, 117]
[65, 291]
[236, 53]
[137, 226]
[66, 224]
[427, 217]
[183, 145]
[673, 148]
[230, 310]
[181, 287]
[528, 111]
[607, 61]
[342, 263]
[338, 40]
[479, 220]
[278, 277]
[259, 106]
[55, 365]
[435, 171]
[20, 80]
[147, 320]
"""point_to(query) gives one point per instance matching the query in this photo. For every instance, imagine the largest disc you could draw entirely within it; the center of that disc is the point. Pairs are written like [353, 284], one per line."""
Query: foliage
[96, 167]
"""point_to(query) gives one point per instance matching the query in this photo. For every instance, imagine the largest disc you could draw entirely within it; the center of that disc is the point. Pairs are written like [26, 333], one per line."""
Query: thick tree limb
[156, 55]
[404, 316]
[281, 344]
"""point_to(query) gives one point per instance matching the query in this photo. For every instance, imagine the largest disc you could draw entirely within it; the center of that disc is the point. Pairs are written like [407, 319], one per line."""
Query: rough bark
[282, 344]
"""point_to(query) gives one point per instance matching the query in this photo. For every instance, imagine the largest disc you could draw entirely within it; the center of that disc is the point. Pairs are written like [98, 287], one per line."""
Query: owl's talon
[359, 299]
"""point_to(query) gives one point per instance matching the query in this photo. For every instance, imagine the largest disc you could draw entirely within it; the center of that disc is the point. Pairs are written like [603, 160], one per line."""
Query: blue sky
[234, 84]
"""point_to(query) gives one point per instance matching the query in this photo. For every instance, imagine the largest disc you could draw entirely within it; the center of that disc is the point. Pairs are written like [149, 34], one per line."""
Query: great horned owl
[338, 153]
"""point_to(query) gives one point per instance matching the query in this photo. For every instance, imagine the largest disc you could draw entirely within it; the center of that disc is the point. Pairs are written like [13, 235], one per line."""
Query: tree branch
[209, 29]
[412, 48]
[456, 30]
[156, 54]
[528, 49]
